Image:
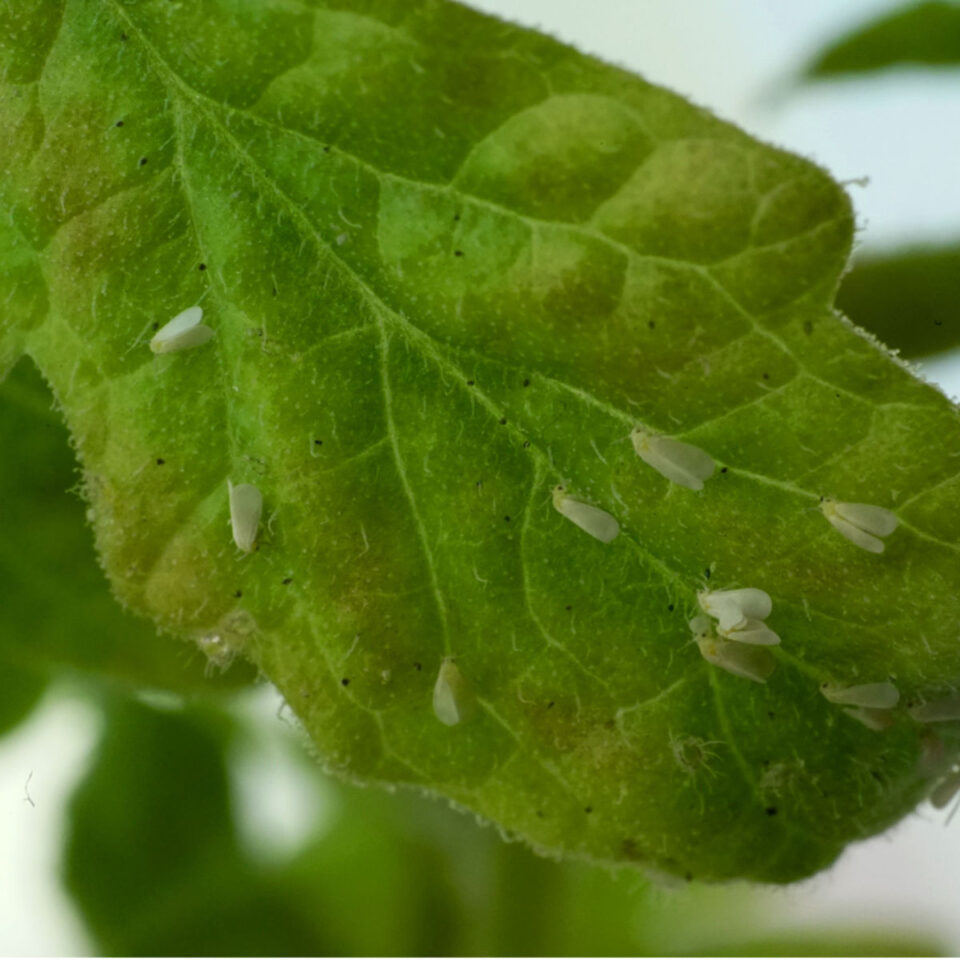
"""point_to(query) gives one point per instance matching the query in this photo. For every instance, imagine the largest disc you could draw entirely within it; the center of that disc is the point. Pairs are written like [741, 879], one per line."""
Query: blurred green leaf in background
[909, 298]
[918, 34]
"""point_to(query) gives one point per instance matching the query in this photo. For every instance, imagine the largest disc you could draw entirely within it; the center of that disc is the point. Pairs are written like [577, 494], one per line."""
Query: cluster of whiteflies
[731, 632]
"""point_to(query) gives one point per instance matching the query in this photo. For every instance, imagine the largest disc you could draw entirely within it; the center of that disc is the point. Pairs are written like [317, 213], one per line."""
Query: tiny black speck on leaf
[202, 267]
[706, 573]
[503, 420]
[160, 461]
[588, 809]
[119, 123]
[723, 469]
[458, 253]
[526, 383]
[771, 811]
[345, 682]
[670, 607]
[238, 594]
[507, 519]
[419, 666]
[143, 161]
[287, 581]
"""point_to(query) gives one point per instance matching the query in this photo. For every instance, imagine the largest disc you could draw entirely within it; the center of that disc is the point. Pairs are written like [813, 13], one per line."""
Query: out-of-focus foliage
[923, 34]
[910, 299]
[153, 859]
[20, 689]
[56, 609]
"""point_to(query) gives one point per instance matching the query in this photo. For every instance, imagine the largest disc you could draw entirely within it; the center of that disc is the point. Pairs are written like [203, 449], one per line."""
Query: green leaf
[910, 299]
[153, 859]
[922, 34]
[450, 264]
[841, 943]
[20, 690]
[57, 612]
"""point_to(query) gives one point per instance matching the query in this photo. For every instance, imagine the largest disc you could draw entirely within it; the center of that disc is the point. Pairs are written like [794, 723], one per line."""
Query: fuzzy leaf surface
[450, 264]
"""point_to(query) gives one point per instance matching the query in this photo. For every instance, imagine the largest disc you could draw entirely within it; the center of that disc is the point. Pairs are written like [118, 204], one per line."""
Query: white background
[737, 57]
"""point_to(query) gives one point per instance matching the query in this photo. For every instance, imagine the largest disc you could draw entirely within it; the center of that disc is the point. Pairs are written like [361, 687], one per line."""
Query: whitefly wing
[184, 331]
[937, 711]
[752, 663]
[876, 520]
[945, 790]
[754, 632]
[882, 696]
[853, 533]
[246, 504]
[449, 694]
[681, 463]
[732, 607]
[598, 523]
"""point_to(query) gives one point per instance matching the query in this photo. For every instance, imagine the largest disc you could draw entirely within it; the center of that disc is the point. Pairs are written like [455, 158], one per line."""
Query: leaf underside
[450, 264]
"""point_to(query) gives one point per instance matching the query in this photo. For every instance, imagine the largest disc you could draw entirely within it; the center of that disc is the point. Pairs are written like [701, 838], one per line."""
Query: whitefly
[732, 608]
[449, 694]
[681, 463]
[246, 505]
[183, 332]
[861, 523]
[598, 523]
[879, 696]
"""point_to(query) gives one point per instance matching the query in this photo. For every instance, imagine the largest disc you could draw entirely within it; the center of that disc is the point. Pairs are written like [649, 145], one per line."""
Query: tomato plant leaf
[923, 34]
[57, 612]
[450, 265]
[909, 298]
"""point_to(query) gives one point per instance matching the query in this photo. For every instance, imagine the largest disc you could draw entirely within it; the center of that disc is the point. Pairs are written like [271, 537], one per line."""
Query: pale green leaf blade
[450, 264]
[924, 34]
[910, 298]
[57, 612]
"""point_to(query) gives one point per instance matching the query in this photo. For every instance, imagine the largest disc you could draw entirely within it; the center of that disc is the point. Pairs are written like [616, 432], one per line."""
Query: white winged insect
[876, 696]
[872, 718]
[752, 662]
[754, 632]
[937, 711]
[681, 463]
[450, 697]
[734, 607]
[945, 791]
[861, 523]
[246, 504]
[184, 331]
[598, 523]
